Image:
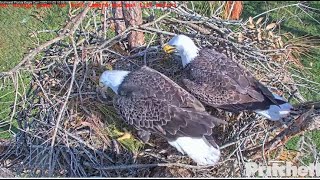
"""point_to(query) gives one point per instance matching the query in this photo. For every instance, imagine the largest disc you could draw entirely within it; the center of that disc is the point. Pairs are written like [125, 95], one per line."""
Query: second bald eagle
[218, 81]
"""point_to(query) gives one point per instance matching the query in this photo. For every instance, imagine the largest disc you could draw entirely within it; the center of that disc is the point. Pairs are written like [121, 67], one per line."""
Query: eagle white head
[184, 46]
[112, 79]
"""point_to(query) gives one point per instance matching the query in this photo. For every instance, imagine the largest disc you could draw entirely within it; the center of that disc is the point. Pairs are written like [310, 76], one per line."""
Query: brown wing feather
[152, 102]
[218, 81]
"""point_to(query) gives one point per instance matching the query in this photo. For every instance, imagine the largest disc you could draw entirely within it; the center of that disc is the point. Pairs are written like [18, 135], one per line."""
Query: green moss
[131, 144]
[315, 136]
[7, 98]
[116, 126]
[18, 27]
[293, 143]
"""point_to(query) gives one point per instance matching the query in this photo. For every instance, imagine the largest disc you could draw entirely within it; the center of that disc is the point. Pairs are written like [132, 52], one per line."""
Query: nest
[67, 125]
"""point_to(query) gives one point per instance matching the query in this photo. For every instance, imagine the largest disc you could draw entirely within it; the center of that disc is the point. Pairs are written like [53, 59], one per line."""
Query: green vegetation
[116, 127]
[299, 23]
[21, 30]
[292, 143]
[295, 20]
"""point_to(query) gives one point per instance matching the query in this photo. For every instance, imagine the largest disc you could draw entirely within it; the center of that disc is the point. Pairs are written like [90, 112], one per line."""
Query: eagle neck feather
[116, 79]
[188, 55]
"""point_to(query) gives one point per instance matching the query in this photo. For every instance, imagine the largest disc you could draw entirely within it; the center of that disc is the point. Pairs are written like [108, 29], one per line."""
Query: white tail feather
[275, 113]
[198, 149]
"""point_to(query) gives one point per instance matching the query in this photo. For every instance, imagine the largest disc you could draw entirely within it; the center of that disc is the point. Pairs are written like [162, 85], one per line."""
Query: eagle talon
[125, 135]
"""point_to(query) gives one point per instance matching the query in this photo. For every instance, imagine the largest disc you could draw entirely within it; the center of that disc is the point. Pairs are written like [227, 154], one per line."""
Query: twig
[300, 124]
[194, 26]
[231, 9]
[16, 85]
[135, 166]
[145, 54]
[77, 60]
[77, 20]
[309, 15]
[157, 30]
[290, 5]
[132, 28]
[237, 141]
[218, 9]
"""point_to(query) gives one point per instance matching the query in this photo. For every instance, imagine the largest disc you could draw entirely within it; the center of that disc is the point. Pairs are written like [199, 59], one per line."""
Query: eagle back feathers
[152, 102]
[218, 81]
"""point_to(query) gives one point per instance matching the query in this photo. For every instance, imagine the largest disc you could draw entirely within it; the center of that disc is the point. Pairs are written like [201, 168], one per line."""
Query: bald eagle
[219, 82]
[153, 103]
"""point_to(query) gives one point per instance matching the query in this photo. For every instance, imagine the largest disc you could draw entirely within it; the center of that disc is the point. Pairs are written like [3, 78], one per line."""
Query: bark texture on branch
[120, 25]
[131, 12]
[133, 16]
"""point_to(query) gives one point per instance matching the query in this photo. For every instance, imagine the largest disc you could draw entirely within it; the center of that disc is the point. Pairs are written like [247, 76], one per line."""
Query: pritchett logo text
[253, 169]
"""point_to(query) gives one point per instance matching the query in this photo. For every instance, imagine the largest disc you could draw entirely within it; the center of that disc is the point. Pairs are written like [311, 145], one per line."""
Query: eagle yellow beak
[169, 49]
